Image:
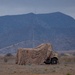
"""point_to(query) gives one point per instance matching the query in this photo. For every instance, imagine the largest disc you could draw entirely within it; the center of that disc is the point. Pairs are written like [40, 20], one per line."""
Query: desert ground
[66, 66]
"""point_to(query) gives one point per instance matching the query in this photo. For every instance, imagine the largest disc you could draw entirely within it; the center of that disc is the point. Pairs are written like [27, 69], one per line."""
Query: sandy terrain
[10, 68]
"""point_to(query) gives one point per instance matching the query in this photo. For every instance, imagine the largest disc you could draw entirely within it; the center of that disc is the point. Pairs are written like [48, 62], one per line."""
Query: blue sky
[14, 7]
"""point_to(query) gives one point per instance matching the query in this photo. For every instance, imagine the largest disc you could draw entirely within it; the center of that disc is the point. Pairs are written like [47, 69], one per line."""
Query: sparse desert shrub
[8, 54]
[53, 71]
[14, 71]
[65, 65]
[68, 74]
[5, 59]
[46, 69]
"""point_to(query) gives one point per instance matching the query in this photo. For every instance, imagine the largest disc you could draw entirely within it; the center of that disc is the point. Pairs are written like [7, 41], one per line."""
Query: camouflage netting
[33, 55]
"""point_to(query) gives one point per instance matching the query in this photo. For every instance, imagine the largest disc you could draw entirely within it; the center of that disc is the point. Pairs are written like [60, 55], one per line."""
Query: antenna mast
[33, 41]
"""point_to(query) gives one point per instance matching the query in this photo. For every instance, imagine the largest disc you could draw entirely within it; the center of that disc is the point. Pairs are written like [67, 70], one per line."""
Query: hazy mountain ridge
[57, 28]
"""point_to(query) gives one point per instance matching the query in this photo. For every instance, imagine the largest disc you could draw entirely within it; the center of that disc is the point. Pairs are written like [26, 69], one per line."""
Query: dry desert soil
[64, 67]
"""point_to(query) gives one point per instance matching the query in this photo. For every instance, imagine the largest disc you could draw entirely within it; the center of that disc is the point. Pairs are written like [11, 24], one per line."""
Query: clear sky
[13, 7]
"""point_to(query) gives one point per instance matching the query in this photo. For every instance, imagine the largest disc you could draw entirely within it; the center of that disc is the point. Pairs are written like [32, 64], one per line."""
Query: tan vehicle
[52, 59]
[43, 54]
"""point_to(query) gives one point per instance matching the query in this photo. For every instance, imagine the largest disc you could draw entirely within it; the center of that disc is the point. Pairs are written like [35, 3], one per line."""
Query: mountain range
[30, 30]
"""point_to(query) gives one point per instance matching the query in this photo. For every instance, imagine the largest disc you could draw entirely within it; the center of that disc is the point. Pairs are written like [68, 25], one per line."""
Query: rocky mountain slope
[30, 30]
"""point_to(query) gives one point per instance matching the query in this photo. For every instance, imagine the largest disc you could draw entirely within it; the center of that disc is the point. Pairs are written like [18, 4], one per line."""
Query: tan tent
[34, 55]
